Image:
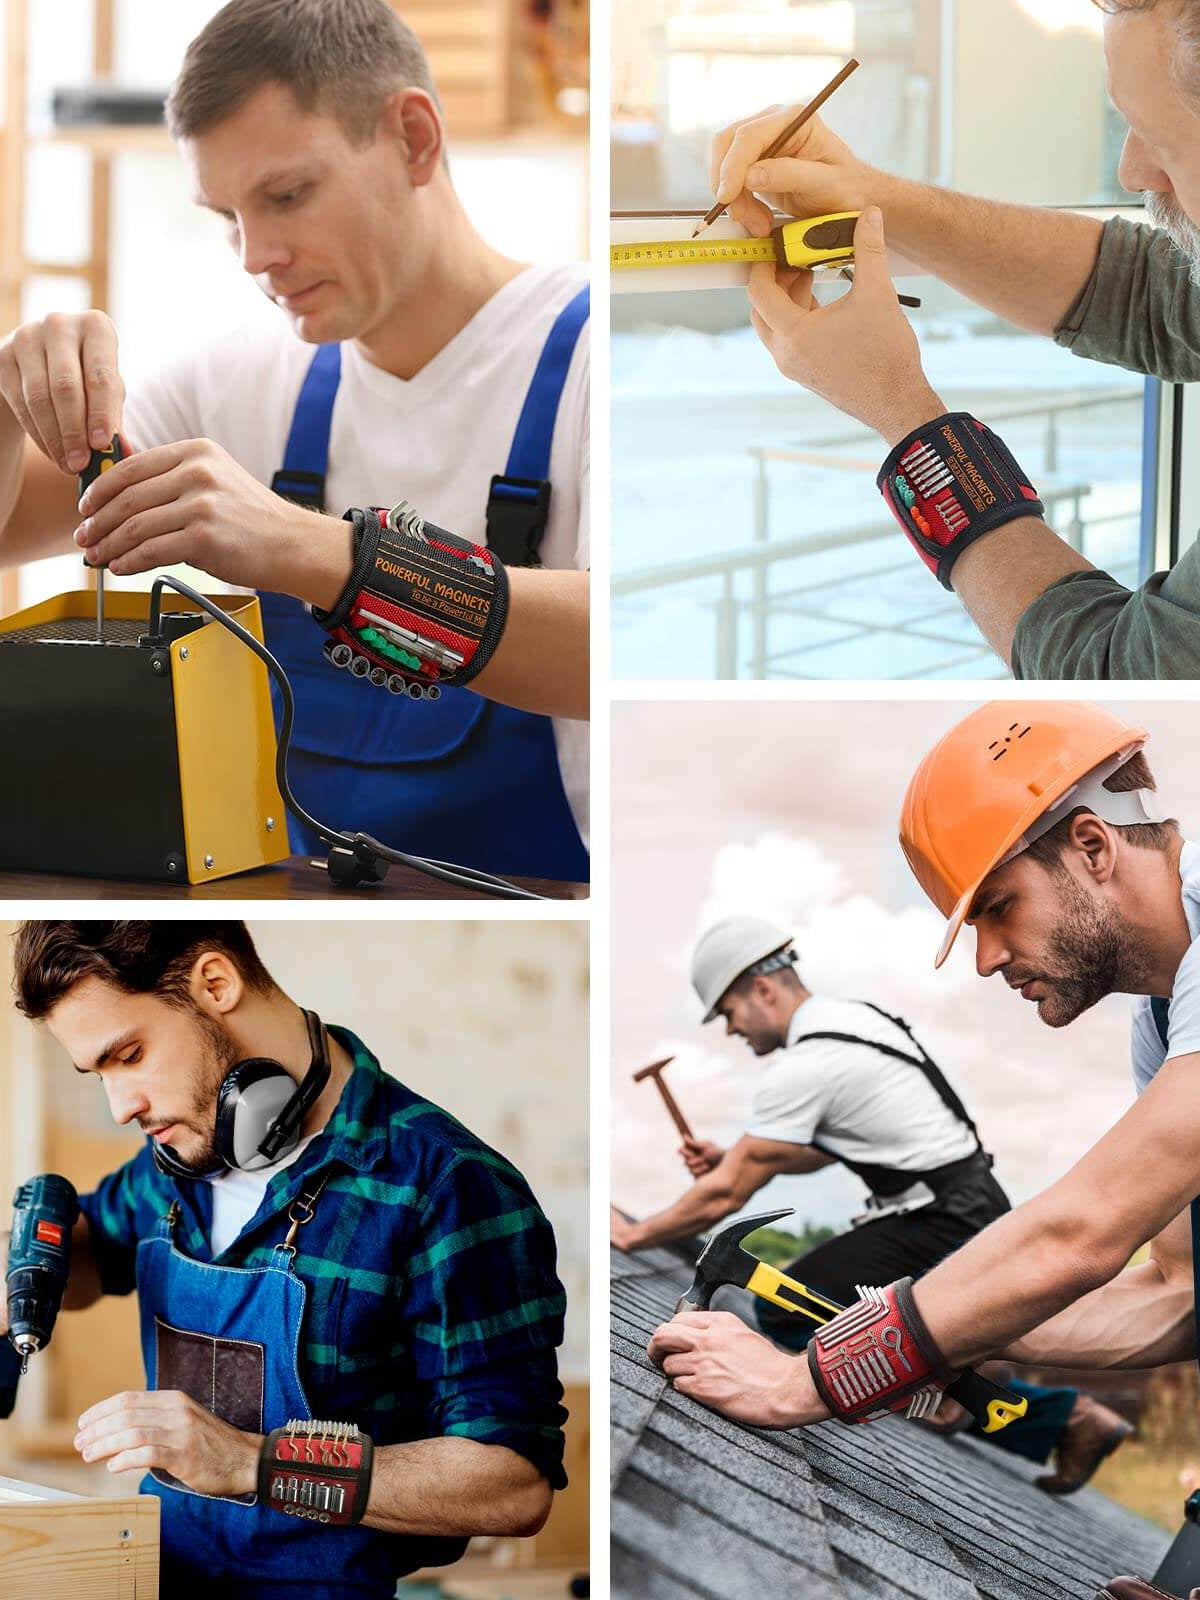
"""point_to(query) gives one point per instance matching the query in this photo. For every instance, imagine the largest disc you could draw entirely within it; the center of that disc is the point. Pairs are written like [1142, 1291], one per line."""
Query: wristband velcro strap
[317, 1471]
[421, 607]
[877, 1357]
[950, 482]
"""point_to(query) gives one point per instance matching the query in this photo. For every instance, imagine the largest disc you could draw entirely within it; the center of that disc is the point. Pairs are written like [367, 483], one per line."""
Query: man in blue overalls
[1036, 822]
[349, 1307]
[445, 374]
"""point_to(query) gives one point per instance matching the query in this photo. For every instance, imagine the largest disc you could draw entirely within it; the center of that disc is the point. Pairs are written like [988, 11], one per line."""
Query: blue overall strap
[306, 459]
[519, 498]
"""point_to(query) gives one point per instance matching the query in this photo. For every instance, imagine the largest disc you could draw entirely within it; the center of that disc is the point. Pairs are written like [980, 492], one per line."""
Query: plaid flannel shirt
[433, 1305]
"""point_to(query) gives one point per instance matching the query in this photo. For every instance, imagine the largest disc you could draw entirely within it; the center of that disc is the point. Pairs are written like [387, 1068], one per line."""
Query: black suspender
[928, 1068]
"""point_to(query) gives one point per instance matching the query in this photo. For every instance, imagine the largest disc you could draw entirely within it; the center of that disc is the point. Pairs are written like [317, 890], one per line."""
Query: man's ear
[412, 118]
[216, 984]
[1095, 846]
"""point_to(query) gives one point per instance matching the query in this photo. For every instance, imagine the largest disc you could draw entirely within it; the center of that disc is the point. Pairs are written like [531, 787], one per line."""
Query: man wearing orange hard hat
[1037, 824]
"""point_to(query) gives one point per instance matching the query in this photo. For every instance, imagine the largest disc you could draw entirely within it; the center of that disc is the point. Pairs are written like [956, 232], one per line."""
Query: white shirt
[238, 1195]
[1184, 1021]
[857, 1103]
[435, 440]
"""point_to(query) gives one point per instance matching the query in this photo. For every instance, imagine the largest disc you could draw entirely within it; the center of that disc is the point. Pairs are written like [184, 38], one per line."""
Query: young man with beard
[308, 1239]
[408, 362]
[1037, 824]
[1112, 292]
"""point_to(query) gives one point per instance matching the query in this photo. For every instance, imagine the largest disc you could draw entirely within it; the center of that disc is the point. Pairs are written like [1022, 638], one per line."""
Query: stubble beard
[217, 1054]
[1166, 213]
[1094, 952]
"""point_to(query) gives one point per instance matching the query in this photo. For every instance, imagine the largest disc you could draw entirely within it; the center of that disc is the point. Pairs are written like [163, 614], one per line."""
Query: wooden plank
[103, 61]
[81, 1550]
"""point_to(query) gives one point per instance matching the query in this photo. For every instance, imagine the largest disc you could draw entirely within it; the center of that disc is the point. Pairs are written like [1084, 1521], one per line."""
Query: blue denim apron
[461, 778]
[231, 1545]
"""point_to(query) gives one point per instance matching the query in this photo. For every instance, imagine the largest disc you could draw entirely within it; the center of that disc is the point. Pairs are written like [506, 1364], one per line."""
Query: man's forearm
[456, 1487]
[542, 660]
[705, 1203]
[1025, 263]
[1000, 576]
[1143, 1318]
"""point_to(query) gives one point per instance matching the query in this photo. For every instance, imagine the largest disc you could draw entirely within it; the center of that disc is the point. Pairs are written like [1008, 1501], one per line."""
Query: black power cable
[364, 853]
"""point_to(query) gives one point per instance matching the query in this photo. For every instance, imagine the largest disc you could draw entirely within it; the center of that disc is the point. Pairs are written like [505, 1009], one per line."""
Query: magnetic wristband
[421, 607]
[877, 1357]
[318, 1471]
[950, 482]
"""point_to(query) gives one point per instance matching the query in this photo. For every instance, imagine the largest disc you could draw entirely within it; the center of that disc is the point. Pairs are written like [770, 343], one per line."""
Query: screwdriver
[100, 461]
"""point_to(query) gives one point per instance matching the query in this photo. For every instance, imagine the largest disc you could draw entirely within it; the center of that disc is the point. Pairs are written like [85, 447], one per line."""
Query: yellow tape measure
[808, 242]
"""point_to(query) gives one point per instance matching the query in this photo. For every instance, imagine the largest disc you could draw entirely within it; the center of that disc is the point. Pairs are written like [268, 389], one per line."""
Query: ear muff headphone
[260, 1111]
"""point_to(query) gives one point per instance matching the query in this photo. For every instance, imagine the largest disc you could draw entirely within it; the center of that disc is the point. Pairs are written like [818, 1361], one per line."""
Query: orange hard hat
[976, 797]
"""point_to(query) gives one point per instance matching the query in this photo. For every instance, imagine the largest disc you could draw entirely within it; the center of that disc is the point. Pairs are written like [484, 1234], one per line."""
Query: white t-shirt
[856, 1102]
[435, 440]
[1184, 1019]
[238, 1195]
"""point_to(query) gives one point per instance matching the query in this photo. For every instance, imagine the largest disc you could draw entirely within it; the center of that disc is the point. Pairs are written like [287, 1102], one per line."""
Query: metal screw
[158, 665]
[208, 861]
[270, 824]
[172, 867]
[126, 1534]
[183, 653]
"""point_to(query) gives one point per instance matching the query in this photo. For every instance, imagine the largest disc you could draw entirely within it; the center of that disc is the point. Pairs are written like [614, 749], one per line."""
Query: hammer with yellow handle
[725, 1260]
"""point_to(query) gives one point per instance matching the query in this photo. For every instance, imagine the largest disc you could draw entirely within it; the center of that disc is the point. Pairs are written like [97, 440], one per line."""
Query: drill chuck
[39, 1260]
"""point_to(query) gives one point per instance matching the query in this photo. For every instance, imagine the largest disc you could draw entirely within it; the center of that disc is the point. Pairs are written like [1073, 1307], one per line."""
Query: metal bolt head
[173, 867]
[183, 652]
[208, 861]
[126, 1533]
[158, 666]
[270, 824]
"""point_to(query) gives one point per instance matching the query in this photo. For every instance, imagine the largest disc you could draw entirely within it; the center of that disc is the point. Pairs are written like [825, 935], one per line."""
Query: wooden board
[55, 1547]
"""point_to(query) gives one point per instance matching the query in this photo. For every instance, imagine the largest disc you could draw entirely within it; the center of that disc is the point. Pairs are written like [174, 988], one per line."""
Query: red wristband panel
[317, 1471]
[421, 608]
[949, 483]
[877, 1357]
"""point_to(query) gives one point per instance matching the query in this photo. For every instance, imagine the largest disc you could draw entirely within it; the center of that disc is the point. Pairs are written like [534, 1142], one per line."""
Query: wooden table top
[293, 879]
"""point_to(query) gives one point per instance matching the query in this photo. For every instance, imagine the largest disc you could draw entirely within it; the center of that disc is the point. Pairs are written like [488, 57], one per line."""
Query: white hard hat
[734, 946]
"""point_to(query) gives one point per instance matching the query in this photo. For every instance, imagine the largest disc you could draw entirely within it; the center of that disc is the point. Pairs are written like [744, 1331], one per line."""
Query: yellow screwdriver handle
[817, 241]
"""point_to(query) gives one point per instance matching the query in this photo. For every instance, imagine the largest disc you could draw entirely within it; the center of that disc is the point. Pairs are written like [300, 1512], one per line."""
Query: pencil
[776, 145]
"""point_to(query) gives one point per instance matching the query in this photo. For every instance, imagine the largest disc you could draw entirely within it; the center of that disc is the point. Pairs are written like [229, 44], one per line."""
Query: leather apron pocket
[225, 1376]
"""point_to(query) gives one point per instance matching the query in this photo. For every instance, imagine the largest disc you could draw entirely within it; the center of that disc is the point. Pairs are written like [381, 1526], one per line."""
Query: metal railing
[1064, 511]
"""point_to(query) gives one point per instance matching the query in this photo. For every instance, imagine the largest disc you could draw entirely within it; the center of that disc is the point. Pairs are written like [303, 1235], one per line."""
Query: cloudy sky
[790, 811]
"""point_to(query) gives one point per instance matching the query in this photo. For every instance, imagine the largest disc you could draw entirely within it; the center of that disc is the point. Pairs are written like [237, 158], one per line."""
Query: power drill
[39, 1259]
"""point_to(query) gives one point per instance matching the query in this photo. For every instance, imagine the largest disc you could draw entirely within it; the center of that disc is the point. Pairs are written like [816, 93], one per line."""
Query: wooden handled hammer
[655, 1071]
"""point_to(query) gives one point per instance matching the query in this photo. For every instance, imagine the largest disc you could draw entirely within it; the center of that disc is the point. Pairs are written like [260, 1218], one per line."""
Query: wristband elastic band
[950, 482]
[421, 607]
[317, 1471]
[877, 1357]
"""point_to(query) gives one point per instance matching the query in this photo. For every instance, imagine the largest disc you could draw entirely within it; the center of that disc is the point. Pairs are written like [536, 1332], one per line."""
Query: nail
[77, 460]
[100, 438]
[756, 176]
[83, 532]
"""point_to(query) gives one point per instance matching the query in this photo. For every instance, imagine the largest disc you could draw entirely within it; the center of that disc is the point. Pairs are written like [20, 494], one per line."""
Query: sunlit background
[513, 78]
[715, 454]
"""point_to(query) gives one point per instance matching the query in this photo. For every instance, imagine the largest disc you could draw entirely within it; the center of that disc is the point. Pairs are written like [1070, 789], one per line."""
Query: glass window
[748, 536]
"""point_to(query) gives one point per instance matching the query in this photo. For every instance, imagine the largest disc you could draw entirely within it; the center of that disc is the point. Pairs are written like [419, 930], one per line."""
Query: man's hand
[713, 1357]
[700, 1156]
[191, 502]
[620, 1230]
[814, 174]
[169, 1430]
[860, 353]
[59, 379]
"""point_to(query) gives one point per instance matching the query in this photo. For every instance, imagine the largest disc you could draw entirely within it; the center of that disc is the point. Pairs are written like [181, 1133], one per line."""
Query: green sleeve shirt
[1138, 310]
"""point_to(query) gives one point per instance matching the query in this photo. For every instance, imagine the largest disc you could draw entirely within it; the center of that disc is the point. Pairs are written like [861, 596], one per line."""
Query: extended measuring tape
[809, 242]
